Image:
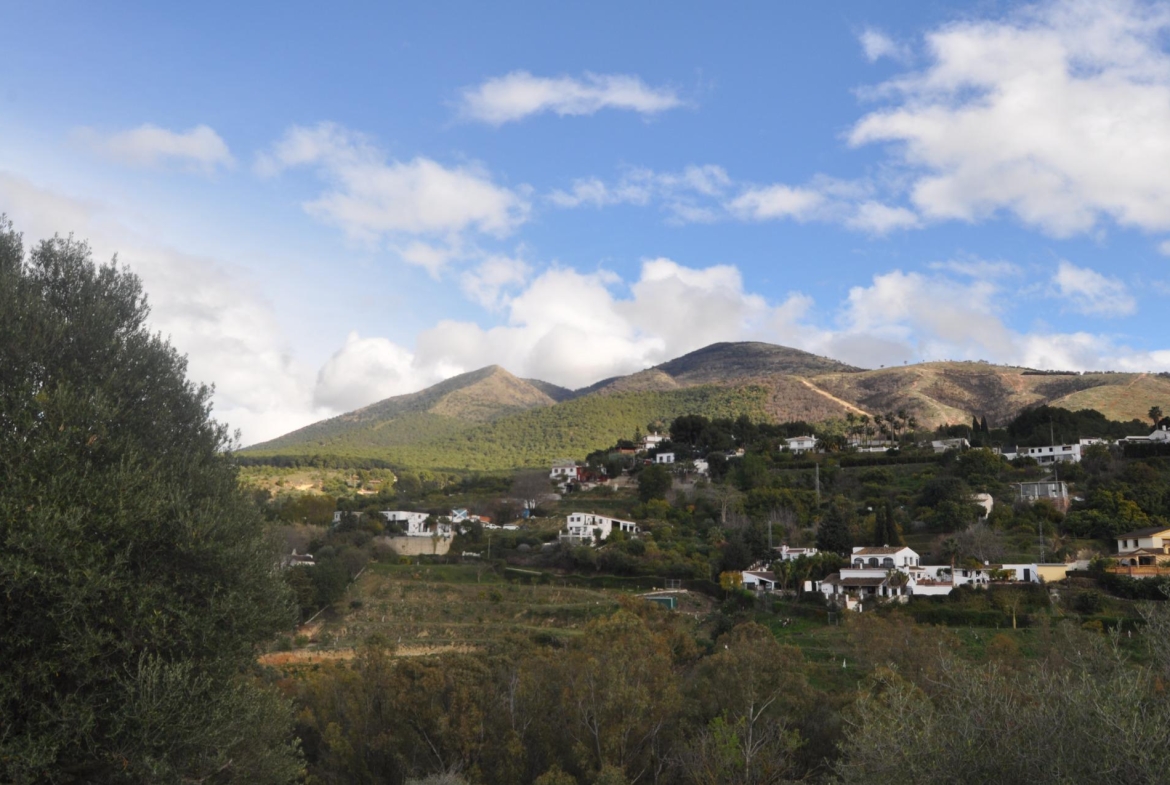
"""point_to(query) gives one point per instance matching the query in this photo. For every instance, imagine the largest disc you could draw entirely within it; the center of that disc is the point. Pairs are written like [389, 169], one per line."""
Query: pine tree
[833, 533]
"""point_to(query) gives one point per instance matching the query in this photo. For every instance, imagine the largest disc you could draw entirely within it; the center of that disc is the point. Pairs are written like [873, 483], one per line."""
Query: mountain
[448, 407]
[489, 419]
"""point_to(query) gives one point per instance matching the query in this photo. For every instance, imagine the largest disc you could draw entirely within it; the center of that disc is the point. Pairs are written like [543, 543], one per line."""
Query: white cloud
[205, 307]
[1058, 114]
[880, 219]
[517, 95]
[876, 45]
[689, 196]
[1090, 292]
[777, 201]
[486, 284]
[978, 268]
[572, 328]
[200, 149]
[372, 199]
[1164, 247]
[366, 370]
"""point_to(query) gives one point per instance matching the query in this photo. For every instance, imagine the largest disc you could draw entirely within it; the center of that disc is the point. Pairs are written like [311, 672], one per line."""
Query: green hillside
[443, 410]
[530, 438]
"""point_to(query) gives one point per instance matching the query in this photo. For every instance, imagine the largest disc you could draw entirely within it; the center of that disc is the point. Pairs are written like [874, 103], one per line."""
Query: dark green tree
[833, 533]
[135, 574]
[654, 482]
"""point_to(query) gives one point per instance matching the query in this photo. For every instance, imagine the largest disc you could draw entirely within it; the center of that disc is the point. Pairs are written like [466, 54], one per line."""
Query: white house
[1160, 435]
[799, 444]
[789, 554]
[1049, 454]
[1141, 547]
[886, 556]
[895, 574]
[664, 457]
[589, 528]
[563, 470]
[701, 466]
[652, 440]
[415, 523]
[758, 581]
[942, 445]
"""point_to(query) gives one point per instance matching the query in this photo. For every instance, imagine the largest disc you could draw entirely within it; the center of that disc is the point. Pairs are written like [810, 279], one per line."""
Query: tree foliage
[135, 573]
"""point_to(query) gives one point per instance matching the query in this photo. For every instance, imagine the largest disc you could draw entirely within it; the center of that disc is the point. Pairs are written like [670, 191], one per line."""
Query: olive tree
[136, 576]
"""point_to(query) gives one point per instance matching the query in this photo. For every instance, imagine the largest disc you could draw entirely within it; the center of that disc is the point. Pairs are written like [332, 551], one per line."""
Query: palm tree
[1155, 414]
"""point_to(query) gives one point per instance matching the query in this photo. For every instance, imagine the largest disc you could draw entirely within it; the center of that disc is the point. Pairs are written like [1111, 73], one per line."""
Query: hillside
[492, 420]
[446, 408]
[539, 435]
[948, 392]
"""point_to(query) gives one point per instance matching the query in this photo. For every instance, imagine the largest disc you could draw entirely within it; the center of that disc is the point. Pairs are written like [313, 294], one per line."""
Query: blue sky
[334, 204]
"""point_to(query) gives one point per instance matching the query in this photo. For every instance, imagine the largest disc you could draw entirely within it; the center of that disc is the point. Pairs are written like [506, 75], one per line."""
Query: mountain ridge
[462, 422]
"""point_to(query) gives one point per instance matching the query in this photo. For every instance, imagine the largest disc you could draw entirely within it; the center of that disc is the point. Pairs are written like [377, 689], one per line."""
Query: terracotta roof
[833, 579]
[876, 551]
[1142, 552]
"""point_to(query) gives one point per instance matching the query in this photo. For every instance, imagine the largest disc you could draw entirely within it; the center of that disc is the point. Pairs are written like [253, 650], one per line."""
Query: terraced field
[438, 607]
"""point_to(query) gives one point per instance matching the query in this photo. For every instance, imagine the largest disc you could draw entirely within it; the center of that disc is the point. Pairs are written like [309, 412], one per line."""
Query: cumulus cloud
[199, 149]
[374, 199]
[777, 201]
[1089, 292]
[877, 218]
[366, 370]
[487, 283]
[518, 95]
[206, 308]
[1058, 114]
[876, 45]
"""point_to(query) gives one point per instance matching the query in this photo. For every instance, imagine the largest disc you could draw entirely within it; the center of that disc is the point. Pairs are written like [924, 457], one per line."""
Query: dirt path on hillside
[830, 396]
[309, 656]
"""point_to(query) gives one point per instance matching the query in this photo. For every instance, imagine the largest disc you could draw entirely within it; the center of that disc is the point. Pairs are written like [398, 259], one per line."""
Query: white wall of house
[664, 457]
[1055, 453]
[800, 444]
[588, 527]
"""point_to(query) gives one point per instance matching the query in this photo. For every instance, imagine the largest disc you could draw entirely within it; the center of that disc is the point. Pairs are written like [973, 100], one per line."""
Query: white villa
[799, 444]
[664, 457]
[415, 523]
[895, 574]
[589, 529]
[1049, 454]
[701, 466]
[1144, 547]
[563, 470]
